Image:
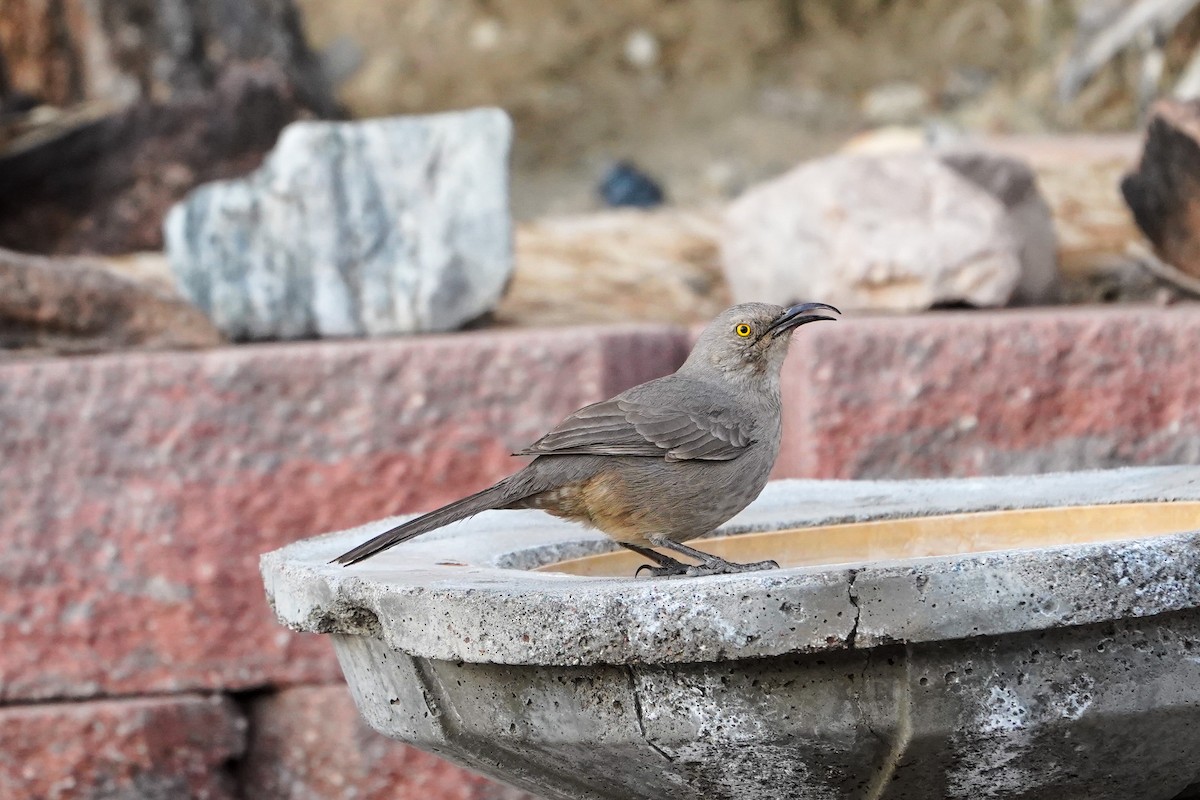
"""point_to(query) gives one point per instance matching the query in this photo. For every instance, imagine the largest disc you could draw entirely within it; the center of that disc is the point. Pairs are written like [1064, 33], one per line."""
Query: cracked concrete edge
[852, 636]
[640, 715]
[444, 596]
[901, 735]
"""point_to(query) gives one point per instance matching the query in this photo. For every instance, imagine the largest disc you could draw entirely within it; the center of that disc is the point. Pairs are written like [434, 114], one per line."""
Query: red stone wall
[1004, 392]
[138, 658]
[138, 491]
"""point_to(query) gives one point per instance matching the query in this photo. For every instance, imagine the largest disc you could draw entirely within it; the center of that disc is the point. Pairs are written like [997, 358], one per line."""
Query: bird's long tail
[496, 496]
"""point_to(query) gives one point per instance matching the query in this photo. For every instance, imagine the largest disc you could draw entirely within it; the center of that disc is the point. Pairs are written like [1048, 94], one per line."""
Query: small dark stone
[626, 185]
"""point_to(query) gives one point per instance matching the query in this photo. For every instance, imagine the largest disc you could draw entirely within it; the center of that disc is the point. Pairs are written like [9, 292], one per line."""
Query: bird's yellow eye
[742, 330]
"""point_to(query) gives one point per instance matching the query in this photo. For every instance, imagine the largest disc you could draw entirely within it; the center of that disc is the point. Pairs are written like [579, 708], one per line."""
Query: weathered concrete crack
[858, 697]
[852, 637]
[431, 696]
[901, 737]
[499, 758]
[637, 709]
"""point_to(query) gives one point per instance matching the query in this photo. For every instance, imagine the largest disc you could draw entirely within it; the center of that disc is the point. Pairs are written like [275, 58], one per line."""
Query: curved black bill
[798, 315]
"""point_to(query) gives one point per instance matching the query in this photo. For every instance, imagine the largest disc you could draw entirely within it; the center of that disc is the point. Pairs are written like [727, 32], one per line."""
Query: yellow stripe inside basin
[921, 537]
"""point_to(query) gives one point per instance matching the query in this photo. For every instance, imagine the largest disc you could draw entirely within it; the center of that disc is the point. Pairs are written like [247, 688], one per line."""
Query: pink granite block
[159, 748]
[974, 393]
[138, 490]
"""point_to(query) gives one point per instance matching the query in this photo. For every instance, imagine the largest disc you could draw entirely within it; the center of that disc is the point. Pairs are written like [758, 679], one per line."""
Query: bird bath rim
[912, 538]
[470, 593]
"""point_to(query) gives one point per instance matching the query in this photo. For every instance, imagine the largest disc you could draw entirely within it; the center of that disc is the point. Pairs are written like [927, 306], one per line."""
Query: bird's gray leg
[667, 566]
[709, 564]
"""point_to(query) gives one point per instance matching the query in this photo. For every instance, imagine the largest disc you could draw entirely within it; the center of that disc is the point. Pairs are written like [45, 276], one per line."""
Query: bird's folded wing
[626, 426]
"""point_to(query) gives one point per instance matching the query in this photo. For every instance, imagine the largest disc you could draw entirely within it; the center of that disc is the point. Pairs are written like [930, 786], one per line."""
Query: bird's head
[748, 342]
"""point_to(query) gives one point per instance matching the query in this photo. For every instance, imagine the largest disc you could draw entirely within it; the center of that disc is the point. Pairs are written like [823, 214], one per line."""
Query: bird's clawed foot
[667, 566]
[719, 566]
[709, 564]
[677, 569]
[713, 566]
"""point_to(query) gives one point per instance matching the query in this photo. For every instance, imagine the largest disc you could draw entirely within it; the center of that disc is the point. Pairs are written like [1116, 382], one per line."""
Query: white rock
[899, 101]
[485, 34]
[641, 49]
[899, 232]
[377, 227]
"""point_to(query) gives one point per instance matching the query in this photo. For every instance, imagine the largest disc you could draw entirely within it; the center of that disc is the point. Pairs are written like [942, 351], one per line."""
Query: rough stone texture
[169, 95]
[132, 532]
[104, 186]
[1057, 672]
[893, 232]
[70, 306]
[310, 742]
[1014, 184]
[1165, 188]
[1099, 712]
[358, 228]
[957, 394]
[663, 265]
[162, 748]
[124, 50]
[464, 593]
[1078, 175]
[616, 266]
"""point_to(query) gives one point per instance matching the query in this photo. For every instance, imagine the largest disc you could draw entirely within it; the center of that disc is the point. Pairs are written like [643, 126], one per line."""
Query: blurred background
[712, 96]
[220, 220]
[111, 113]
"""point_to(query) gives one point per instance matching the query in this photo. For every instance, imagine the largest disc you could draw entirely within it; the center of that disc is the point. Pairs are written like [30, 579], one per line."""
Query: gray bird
[666, 461]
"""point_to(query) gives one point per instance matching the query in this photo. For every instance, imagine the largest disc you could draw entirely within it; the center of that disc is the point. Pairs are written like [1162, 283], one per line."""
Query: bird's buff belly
[621, 507]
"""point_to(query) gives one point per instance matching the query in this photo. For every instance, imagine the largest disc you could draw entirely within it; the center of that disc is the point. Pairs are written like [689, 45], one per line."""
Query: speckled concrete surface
[1059, 672]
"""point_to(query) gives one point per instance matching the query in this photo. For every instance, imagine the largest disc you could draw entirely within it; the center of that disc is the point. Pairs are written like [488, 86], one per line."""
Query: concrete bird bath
[1016, 637]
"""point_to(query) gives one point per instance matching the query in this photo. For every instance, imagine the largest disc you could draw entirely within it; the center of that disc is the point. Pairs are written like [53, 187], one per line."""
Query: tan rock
[617, 266]
[897, 232]
[68, 306]
[147, 266]
[1079, 176]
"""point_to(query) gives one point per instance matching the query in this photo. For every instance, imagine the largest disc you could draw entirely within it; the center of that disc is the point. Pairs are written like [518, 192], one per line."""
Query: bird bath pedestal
[1015, 637]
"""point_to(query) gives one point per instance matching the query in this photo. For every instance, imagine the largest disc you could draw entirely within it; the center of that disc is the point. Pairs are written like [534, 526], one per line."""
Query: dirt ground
[711, 95]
